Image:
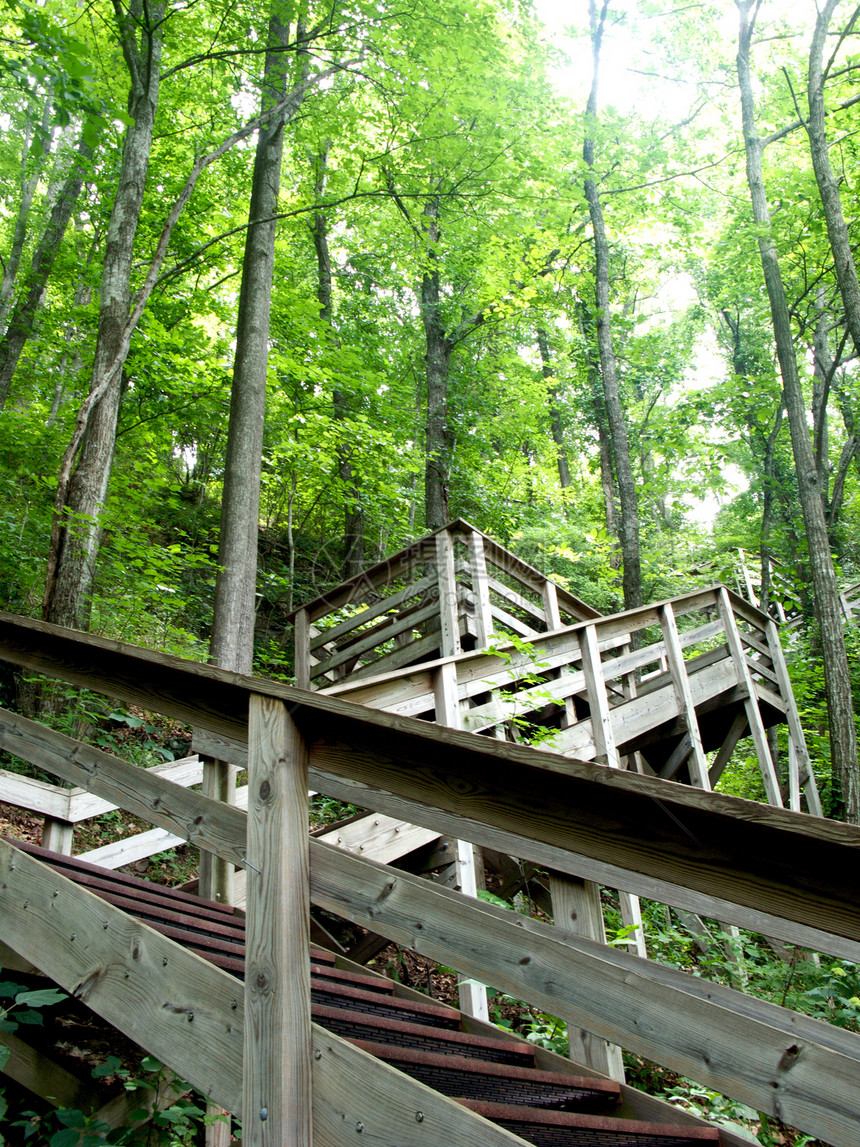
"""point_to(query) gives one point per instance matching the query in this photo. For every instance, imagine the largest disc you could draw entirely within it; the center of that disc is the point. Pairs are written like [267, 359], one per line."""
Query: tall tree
[628, 525]
[81, 490]
[232, 644]
[840, 708]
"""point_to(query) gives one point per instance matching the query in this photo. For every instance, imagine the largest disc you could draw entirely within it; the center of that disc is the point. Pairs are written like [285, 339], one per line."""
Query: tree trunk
[23, 316]
[438, 358]
[828, 186]
[843, 745]
[232, 642]
[555, 423]
[628, 499]
[29, 183]
[353, 514]
[81, 491]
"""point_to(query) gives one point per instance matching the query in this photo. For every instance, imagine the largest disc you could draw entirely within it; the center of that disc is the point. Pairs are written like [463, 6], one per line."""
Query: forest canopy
[319, 277]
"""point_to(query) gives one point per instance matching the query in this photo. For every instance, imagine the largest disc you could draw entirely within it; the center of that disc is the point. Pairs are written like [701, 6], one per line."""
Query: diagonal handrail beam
[541, 806]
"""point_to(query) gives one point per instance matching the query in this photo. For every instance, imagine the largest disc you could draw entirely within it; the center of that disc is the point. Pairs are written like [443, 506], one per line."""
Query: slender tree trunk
[82, 489]
[439, 347]
[628, 499]
[556, 427]
[30, 175]
[23, 315]
[353, 525]
[232, 642]
[828, 185]
[843, 744]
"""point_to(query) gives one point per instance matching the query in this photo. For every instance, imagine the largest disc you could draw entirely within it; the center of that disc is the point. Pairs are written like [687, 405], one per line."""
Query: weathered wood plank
[179, 1007]
[480, 585]
[366, 753]
[36, 796]
[216, 873]
[187, 771]
[406, 655]
[800, 1070]
[725, 849]
[277, 1055]
[381, 633]
[43, 1077]
[516, 599]
[362, 617]
[132, 848]
[194, 817]
[378, 837]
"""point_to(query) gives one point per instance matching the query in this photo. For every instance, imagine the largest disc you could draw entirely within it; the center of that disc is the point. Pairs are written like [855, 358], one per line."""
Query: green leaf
[41, 998]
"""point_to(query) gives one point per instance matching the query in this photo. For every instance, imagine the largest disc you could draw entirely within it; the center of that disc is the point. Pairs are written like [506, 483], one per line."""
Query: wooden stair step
[354, 1025]
[459, 1076]
[569, 1129]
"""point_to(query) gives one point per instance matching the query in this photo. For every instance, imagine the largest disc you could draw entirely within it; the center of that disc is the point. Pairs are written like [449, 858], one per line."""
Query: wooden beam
[183, 1010]
[706, 852]
[801, 767]
[131, 848]
[447, 585]
[277, 1059]
[195, 817]
[801, 1070]
[43, 1077]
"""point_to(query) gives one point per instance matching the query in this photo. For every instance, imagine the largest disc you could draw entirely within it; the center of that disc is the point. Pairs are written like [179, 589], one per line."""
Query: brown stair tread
[423, 1040]
[355, 1025]
[569, 1129]
[453, 1075]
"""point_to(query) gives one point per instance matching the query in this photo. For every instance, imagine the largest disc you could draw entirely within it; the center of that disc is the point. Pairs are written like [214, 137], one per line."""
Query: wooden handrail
[673, 842]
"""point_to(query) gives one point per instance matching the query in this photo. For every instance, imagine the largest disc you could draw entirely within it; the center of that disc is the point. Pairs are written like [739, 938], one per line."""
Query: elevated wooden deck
[252, 1046]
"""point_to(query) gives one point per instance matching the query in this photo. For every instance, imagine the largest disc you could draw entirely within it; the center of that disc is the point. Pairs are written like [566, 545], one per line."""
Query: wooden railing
[252, 1048]
[632, 685]
[450, 591]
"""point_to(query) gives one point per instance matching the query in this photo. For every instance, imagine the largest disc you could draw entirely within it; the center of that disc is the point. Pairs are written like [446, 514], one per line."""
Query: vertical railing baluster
[696, 762]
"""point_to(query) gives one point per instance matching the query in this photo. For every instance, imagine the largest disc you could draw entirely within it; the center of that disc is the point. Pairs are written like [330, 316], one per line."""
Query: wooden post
[302, 649]
[473, 997]
[276, 1104]
[216, 875]
[57, 835]
[576, 908]
[745, 682]
[446, 580]
[481, 589]
[553, 621]
[604, 743]
[217, 882]
[598, 701]
[697, 762]
[800, 767]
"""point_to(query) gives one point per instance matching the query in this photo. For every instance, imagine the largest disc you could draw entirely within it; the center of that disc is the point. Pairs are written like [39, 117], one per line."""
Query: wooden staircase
[547, 733]
[495, 1077]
